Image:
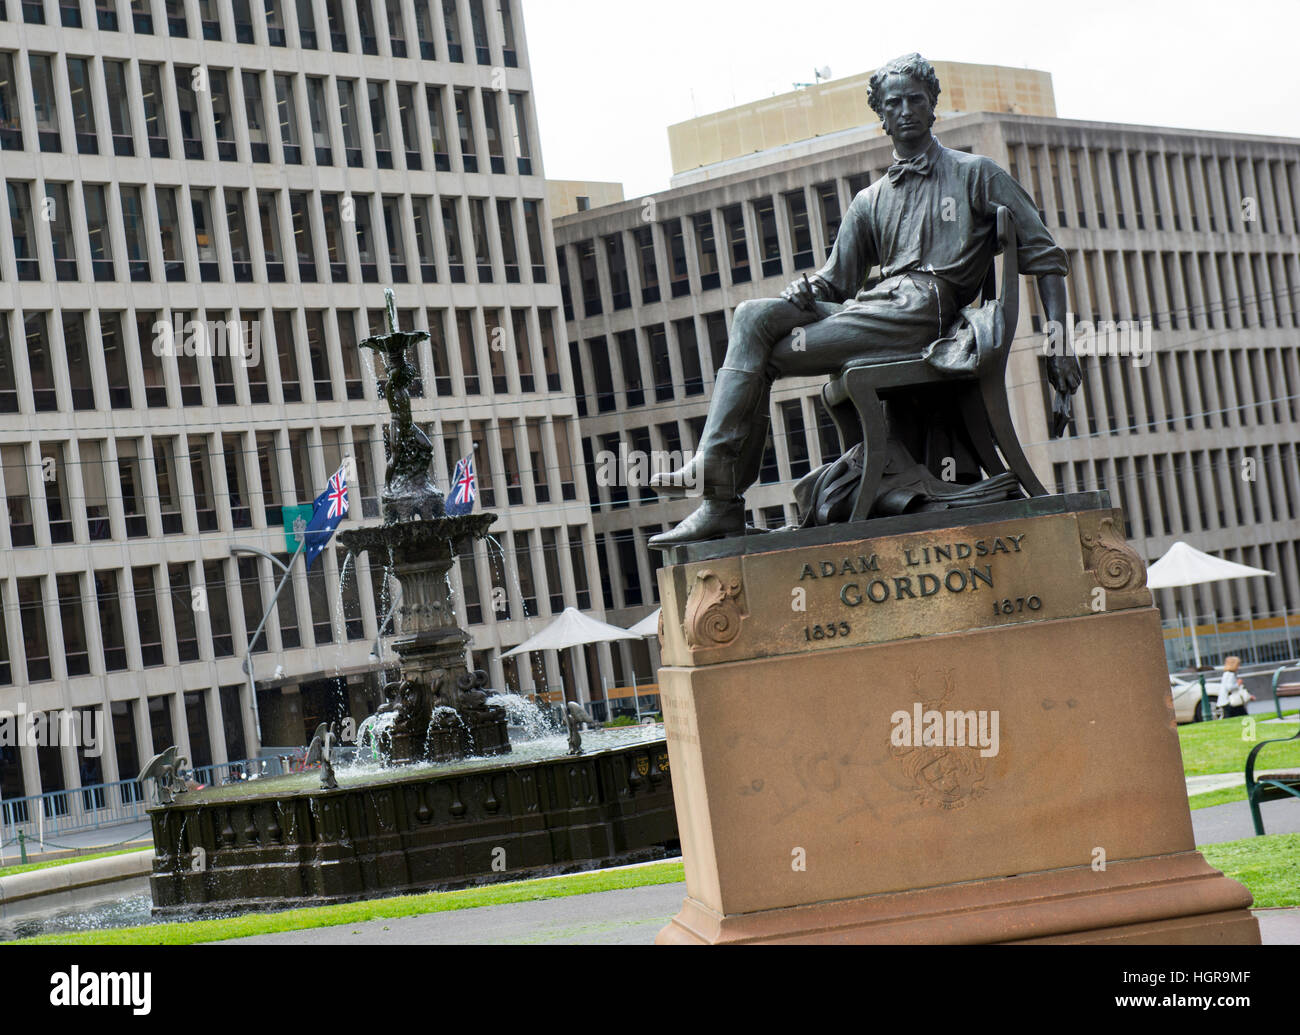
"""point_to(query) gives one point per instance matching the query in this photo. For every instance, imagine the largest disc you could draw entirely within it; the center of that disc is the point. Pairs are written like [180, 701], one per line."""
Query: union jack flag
[337, 492]
[331, 508]
[464, 489]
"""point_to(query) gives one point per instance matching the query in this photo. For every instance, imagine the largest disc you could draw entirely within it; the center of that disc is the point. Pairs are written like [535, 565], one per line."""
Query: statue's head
[904, 94]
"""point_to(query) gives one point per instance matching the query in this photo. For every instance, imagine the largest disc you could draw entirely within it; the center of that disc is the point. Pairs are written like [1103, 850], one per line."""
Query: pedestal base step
[1165, 900]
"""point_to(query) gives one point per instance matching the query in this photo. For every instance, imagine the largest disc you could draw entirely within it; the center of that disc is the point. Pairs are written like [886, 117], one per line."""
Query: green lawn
[1268, 866]
[9, 871]
[375, 909]
[1223, 796]
[1220, 747]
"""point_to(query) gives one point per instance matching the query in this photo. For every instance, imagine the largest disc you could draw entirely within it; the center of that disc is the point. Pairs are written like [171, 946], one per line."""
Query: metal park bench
[1269, 788]
[1281, 690]
[854, 397]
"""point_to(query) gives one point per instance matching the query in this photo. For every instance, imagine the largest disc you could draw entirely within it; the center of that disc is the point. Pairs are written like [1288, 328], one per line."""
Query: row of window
[1183, 290]
[1159, 190]
[1187, 390]
[1201, 491]
[1155, 493]
[1177, 290]
[1197, 388]
[129, 609]
[352, 26]
[110, 232]
[766, 237]
[179, 358]
[152, 486]
[123, 748]
[151, 616]
[801, 450]
[653, 366]
[323, 120]
[1169, 494]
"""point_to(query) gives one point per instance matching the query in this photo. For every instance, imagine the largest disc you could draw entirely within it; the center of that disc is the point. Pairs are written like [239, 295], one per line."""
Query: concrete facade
[265, 169]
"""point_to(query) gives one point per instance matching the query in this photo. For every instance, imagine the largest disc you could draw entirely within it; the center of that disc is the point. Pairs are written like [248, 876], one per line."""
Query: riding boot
[750, 463]
[712, 519]
[720, 517]
[738, 411]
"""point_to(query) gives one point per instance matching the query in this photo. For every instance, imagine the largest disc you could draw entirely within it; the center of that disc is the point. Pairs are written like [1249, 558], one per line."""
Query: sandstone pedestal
[934, 735]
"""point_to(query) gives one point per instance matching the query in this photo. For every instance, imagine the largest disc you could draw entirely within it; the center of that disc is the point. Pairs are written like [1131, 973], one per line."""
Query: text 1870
[1018, 606]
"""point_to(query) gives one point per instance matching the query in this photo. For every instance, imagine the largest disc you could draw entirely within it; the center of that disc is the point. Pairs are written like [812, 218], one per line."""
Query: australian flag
[464, 490]
[331, 508]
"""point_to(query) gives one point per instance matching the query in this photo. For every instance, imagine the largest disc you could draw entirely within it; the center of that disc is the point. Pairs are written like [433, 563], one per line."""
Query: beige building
[793, 125]
[566, 197]
[1194, 235]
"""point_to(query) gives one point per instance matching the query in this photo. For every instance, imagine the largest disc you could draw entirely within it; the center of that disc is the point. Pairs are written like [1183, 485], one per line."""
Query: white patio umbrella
[649, 625]
[1184, 565]
[571, 629]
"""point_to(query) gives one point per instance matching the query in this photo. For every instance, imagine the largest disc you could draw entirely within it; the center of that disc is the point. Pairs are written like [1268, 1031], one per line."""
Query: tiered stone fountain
[437, 712]
[438, 814]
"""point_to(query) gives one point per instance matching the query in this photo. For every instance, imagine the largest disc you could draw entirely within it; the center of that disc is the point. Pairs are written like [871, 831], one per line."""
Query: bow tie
[919, 164]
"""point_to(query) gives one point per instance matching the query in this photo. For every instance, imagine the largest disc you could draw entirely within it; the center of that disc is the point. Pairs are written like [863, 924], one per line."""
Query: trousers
[894, 320]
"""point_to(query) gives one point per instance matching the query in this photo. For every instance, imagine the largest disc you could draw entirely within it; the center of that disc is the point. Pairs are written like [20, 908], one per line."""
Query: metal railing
[45, 816]
[1258, 640]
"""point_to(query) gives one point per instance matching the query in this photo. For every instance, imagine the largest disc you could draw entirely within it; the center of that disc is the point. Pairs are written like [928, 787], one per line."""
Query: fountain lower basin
[286, 843]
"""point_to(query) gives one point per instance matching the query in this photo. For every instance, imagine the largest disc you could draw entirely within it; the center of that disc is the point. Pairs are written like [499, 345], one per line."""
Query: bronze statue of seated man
[930, 227]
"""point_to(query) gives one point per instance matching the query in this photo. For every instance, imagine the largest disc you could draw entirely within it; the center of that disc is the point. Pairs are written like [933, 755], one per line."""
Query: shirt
[1227, 687]
[938, 216]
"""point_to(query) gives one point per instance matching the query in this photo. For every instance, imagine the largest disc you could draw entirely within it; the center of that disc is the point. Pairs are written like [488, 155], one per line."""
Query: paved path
[630, 917]
[107, 839]
[1218, 781]
[1232, 822]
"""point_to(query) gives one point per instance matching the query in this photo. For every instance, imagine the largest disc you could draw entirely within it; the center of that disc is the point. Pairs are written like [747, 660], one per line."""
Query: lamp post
[1207, 711]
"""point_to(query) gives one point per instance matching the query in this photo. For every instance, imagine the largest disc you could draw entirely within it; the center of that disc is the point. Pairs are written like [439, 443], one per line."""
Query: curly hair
[911, 65]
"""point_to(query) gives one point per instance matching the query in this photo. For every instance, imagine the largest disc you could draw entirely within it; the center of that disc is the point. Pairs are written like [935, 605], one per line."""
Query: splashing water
[340, 616]
[523, 717]
[375, 741]
[443, 716]
[500, 570]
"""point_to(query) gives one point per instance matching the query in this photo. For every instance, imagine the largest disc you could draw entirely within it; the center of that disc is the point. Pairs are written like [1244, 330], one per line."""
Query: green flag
[295, 523]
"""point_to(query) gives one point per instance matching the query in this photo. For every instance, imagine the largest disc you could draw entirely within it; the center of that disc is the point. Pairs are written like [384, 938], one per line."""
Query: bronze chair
[855, 398]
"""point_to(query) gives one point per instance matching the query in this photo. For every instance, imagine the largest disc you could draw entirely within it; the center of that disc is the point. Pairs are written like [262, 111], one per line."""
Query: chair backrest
[1010, 296]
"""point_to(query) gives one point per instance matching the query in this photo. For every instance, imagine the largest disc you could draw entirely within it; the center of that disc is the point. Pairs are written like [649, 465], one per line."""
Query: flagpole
[252, 643]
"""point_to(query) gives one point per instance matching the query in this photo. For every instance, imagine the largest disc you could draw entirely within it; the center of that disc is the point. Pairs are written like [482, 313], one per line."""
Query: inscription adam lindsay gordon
[954, 568]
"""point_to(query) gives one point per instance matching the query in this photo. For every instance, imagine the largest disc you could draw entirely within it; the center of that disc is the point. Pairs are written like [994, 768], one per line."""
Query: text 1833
[826, 632]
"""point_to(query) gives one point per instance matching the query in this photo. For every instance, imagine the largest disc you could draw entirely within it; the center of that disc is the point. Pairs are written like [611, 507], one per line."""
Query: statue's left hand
[1064, 374]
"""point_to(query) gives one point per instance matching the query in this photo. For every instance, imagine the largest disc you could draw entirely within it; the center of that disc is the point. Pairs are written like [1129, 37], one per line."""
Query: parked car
[1187, 697]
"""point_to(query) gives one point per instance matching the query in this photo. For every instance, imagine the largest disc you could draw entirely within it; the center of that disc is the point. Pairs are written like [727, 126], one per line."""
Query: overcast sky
[611, 75]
